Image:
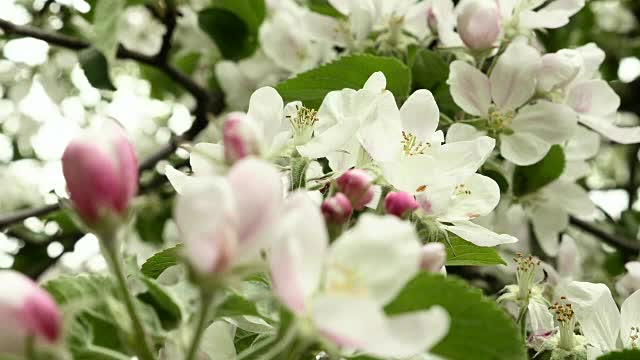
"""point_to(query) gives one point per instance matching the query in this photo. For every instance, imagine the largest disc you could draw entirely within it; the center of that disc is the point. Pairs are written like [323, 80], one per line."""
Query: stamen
[500, 120]
[566, 319]
[411, 146]
[526, 272]
[302, 124]
[635, 334]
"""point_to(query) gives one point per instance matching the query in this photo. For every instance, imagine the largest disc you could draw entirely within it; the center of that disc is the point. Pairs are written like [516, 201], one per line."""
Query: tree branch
[618, 242]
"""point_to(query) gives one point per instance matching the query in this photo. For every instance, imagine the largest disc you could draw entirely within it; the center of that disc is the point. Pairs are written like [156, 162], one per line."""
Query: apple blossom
[101, 170]
[26, 310]
[400, 203]
[337, 209]
[225, 221]
[526, 131]
[525, 15]
[630, 282]
[240, 137]
[357, 185]
[341, 290]
[479, 24]
[605, 328]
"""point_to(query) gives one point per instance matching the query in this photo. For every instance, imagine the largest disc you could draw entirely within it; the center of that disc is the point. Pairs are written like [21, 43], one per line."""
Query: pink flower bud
[26, 309]
[433, 257]
[336, 209]
[479, 24]
[356, 185]
[101, 170]
[240, 137]
[399, 203]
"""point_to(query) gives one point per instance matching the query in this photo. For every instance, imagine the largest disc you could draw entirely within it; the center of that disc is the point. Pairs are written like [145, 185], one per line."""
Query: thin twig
[618, 242]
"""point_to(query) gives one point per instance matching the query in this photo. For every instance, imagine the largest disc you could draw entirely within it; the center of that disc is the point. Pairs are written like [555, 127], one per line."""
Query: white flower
[592, 98]
[340, 290]
[290, 42]
[344, 118]
[613, 16]
[526, 132]
[605, 328]
[225, 221]
[523, 15]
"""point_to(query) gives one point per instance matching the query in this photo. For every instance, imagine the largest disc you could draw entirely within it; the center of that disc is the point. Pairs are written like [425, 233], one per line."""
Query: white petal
[513, 80]
[334, 108]
[596, 312]
[470, 88]
[606, 127]
[380, 134]
[523, 148]
[360, 324]
[630, 316]
[479, 196]
[592, 57]
[205, 214]
[548, 221]
[478, 235]
[568, 265]
[207, 159]
[177, 178]
[575, 170]
[217, 341]
[376, 82]
[265, 107]
[355, 258]
[297, 255]
[552, 16]
[558, 69]
[571, 197]
[584, 144]
[593, 97]
[420, 114]
[463, 132]
[257, 189]
[540, 318]
[555, 123]
[347, 157]
[436, 198]
[336, 138]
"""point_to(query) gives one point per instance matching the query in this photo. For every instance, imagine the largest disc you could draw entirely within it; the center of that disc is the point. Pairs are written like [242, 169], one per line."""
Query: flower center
[567, 321]
[525, 274]
[411, 146]
[635, 333]
[500, 120]
[302, 124]
[343, 279]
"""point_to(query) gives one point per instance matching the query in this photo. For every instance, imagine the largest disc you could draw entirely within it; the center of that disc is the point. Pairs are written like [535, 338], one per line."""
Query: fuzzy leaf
[158, 263]
[462, 252]
[528, 179]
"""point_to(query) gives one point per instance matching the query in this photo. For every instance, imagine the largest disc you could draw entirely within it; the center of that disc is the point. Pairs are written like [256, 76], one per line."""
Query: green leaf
[621, 355]
[347, 72]
[158, 263]
[96, 68]
[162, 302]
[324, 7]
[106, 20]
[235, 305]
[462, 252]
[528, 179]
[151, 218]
[233, 25]
[69, 289]
[480, 329]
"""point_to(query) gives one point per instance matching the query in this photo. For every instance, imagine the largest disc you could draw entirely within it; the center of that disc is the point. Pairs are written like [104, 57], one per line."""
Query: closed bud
[337, 209]
[479, 24]
[433, 257]
[400, 203]
[240, 136]
[356, 185]
[101, 170]
[26, 310]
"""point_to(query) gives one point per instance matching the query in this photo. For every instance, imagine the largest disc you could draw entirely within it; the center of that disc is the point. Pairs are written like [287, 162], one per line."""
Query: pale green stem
[206, 298]
[522, 321]
[113, 257]
[288, 337]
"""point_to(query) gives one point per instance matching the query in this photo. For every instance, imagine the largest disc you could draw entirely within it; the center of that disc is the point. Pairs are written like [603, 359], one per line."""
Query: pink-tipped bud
[26, 310]
[240, 137]
[356, 185]
[433, 257]
[400, 203]
[101, 170]
[479, 24]
[337, 209]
